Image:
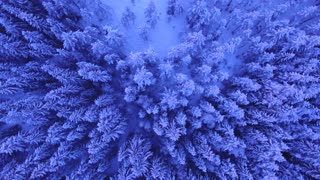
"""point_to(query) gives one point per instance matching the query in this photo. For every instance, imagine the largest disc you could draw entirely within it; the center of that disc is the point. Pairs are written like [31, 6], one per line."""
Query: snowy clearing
[166, 34]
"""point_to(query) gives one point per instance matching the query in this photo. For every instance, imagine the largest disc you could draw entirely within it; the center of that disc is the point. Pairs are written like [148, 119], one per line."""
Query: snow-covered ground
[166, 34]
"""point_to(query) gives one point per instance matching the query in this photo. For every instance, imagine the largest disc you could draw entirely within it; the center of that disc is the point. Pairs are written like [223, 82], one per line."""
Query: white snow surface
[166, 34]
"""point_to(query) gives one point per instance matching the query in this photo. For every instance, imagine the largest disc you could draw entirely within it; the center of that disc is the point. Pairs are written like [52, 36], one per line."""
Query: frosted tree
[143, 78]
[174, 8]
[151, 15]
[199, 16]
[128, 17]
[144, 32]
[93, 72]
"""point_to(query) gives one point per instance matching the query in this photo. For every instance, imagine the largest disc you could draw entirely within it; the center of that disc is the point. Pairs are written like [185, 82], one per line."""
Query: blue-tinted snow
[166, 34]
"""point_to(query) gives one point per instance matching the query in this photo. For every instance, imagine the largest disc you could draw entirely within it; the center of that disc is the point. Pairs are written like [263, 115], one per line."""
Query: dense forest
[178, 89]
